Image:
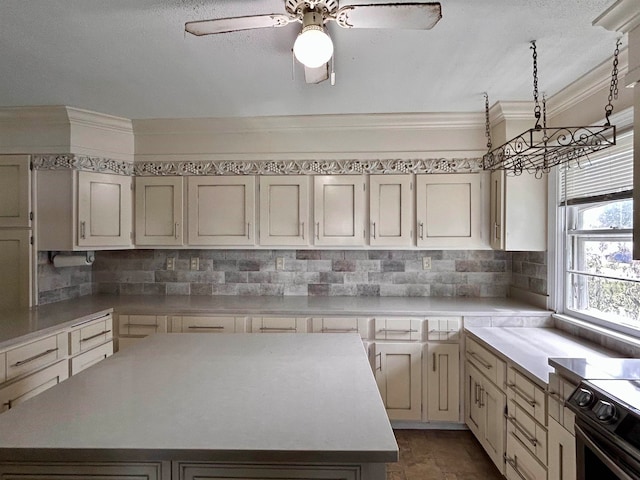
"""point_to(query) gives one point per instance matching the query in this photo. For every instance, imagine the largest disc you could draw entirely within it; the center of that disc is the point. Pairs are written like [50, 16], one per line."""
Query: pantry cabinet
[221, 210]
[449, 210]
[339, 210]
[284, 210]
[78, 210]
[15, 191]
[159, 211]
[391, 210]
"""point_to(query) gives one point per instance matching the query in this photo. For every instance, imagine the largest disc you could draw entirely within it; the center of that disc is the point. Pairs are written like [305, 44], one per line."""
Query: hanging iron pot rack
[541, 148]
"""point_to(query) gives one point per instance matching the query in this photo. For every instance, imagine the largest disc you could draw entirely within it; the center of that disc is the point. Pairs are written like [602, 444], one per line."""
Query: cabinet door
[492, 403]
[104, 210]
[398, 368]
[159, 207]
[284, 210]
[449, 210]
[221, 210]
[15, 191]
[443, 382]
[15, 258]
[391, 210]
[472, 411]
[339, 210]
[562, 453]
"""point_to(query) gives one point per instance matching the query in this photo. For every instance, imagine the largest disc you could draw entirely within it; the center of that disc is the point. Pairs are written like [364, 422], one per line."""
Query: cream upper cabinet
[339, 210]
[15, 258]
[284, 210]
[15, 191]
[79, 210]
[391, 210]
[449, 210]
[518, 212]
[221, 210]
[442, 382]
[159, 211]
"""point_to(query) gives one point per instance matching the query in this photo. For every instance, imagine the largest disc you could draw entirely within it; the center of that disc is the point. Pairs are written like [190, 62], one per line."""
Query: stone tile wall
[529, 271]
[481, 273]
[56, 284]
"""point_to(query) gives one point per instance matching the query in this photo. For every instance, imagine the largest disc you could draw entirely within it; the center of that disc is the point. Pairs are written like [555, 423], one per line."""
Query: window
[601, 281]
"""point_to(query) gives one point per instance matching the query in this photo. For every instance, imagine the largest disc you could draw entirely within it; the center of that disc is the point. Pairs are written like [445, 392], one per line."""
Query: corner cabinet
[79, 210]
[159, 211]
[284, 210]
[221, 210]
[391, 210]
[339, 207]
[449, 210]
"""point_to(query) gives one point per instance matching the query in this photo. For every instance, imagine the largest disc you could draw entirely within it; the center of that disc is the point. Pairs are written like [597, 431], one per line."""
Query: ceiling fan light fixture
[313, 46]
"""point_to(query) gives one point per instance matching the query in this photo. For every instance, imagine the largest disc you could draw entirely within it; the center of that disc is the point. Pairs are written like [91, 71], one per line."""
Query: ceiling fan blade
[410, 16]
[235, 24]
[316, 75]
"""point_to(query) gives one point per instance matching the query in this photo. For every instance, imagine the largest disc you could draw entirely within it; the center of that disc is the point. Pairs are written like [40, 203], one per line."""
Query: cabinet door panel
[15, 191]
[159, 211]
[15, 258]
[339, 210]
[473, 412]
[284, 210]
[443, 382]
[391, 210]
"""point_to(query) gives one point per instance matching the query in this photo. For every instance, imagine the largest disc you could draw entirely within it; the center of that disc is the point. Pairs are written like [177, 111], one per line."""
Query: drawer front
[206, 324]
[530, 433]
[527, 395]
[204, 471]
[32, 356]
[91, 334]
[3, 367]
[30, 386]
[520, 463]
[91, 357]
[341, 325]
[278, 325]
[141, 324]
[488, 363]
[443, 328]
[408, 329]
[85, 471]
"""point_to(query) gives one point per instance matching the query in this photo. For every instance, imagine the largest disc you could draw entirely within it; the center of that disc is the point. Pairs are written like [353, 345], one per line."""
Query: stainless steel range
[607, 429]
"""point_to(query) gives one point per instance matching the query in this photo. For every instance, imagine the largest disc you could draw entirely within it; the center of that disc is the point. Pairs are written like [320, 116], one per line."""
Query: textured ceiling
[132, 58]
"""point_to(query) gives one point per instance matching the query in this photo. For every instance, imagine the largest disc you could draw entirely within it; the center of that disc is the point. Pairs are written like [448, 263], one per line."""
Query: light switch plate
[195, 263]
[171, 263]
[279, 263]
[426, 263]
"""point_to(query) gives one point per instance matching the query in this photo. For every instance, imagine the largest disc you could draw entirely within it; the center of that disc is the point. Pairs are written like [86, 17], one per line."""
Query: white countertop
[245, 397]
[531, 348]
[25, 323]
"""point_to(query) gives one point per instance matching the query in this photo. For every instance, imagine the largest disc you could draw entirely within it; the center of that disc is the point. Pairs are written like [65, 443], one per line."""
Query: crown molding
[504, 111]
[102, 121]
[623, 16]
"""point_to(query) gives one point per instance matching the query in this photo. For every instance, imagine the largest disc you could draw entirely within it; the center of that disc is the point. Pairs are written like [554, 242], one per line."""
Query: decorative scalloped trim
[257, 167]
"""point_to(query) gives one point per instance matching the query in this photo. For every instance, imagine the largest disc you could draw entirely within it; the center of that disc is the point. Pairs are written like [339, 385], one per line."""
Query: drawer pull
[394, 330]
[518, 426]
[481, 403]
[144, 325]
[480, 360]
[556, 395]
[277, 329]
[514, 464]
[447, 332]
[518, 391]
[35, 357]
[8, 404]
[379, 355]
[104, 332]
[338, 330]
[476, 398]
[204, 327]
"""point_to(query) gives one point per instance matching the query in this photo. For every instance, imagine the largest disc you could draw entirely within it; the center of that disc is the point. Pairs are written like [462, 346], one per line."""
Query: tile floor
[440, 455]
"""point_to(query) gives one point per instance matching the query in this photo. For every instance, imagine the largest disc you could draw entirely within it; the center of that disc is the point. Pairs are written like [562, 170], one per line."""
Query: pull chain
[486, 117]
[613, 88]
[536, 108]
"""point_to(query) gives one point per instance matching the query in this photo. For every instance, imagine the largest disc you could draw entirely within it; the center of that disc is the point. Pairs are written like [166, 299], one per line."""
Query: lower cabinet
[91, 357]
[442, 382]
[204, 471]
[562, 452]
[132, 328]
[85, 471]
[31, 385]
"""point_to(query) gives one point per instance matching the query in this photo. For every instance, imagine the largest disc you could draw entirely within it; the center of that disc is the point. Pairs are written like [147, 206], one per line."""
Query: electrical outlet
[279, 263]
[426, 263]
[195, 263]
[171, 263]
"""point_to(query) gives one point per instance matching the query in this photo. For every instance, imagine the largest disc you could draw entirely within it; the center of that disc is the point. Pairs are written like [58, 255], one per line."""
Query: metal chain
[486, 117]
[613, 88]
[536, 108]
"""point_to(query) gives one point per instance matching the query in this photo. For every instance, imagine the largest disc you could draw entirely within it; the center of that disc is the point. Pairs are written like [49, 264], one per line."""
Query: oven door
[601, 456]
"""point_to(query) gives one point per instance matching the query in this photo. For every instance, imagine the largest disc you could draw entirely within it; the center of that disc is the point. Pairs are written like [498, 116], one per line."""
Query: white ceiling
[131, 58]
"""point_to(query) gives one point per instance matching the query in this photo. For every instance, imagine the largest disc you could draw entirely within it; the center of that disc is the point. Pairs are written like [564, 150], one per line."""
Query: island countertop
[237, 398]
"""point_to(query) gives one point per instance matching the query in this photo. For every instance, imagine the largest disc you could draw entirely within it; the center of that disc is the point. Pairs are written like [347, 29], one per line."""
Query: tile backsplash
[56, 284]
[530, 271]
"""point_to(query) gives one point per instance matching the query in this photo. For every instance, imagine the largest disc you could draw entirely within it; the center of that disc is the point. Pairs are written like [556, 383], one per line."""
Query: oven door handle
[598, 452]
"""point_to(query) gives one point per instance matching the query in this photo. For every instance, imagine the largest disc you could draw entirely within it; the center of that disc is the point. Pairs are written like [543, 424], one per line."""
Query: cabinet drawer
[207, 324]
[90, 334]
[91, 357]
[488, 363]
[527, 395]
[341, 325]
[520, 463]
[85, 471]
[398, 329]
[30, 386]
[443, 328]
[204, 471]
[32, 356]
[278, 325]
[141, 324]
[530, 433]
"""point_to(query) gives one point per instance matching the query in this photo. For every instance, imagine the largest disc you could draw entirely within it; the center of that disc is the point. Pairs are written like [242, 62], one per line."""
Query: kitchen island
[182, 406]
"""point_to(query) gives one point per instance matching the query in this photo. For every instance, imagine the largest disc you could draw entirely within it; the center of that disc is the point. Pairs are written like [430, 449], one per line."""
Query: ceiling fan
[313, 46]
